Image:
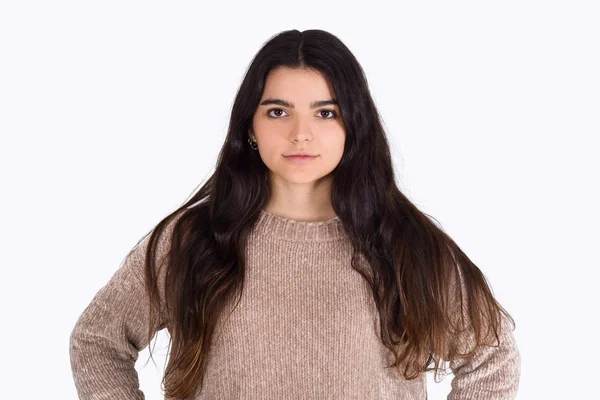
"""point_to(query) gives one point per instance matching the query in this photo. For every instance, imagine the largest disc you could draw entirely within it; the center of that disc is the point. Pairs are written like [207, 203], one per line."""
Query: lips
[300, 158]
[300, 153]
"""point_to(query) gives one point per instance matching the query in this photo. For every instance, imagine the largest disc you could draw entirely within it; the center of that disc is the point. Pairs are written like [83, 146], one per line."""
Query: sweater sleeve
[492, 373]
[111, 331]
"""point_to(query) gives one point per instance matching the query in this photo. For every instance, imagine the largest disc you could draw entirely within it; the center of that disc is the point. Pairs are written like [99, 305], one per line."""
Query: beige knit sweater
[305, 328]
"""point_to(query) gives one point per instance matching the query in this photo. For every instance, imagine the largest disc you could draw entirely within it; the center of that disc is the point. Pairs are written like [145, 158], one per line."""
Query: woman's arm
[492, 373]
[111, 331]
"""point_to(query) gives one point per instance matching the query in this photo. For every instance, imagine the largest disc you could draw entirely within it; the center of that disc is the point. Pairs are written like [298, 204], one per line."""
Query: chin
[303, 178]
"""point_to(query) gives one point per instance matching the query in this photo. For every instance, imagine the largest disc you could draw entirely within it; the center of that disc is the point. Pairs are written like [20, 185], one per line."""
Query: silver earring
[253, 144]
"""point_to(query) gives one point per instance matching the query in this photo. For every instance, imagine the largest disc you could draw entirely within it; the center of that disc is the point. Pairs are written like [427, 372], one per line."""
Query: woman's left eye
[333, 113]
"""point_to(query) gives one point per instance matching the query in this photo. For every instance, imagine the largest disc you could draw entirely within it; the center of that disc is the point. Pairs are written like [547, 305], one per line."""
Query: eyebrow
[284, 103]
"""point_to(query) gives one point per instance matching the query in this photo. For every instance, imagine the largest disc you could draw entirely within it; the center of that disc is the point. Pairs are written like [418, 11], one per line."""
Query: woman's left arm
[492, 373]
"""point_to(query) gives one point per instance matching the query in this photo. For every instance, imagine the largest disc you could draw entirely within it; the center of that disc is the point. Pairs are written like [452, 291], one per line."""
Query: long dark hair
[427, 291]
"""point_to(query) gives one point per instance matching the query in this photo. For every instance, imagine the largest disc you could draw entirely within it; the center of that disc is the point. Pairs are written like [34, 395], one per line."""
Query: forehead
[297, 82]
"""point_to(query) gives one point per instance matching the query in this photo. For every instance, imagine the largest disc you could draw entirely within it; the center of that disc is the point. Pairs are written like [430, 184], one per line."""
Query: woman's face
[287, 121]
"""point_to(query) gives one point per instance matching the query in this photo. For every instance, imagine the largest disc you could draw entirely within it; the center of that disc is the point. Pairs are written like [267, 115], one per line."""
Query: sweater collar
[299, 231]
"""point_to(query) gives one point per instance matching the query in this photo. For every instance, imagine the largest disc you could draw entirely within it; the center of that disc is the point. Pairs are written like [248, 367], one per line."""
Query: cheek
[335, 145]
[268, 132]
[270, 149]
[258, 124]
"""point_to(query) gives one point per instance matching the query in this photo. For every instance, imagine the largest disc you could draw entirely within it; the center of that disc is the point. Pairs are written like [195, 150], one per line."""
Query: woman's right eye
[276, 110]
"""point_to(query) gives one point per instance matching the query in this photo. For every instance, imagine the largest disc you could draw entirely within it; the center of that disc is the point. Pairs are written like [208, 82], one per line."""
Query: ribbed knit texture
[306, 328]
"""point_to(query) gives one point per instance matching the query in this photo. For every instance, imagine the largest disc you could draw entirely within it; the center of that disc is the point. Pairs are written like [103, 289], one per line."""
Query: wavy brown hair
[434, 302]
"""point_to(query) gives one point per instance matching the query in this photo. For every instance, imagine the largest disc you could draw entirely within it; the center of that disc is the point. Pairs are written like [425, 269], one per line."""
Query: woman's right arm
[111, 331]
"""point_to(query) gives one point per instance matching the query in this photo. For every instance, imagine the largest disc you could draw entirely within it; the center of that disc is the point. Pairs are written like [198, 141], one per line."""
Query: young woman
[299, 269]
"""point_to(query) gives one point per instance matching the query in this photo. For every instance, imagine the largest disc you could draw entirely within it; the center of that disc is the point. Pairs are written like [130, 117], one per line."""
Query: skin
[299, 191]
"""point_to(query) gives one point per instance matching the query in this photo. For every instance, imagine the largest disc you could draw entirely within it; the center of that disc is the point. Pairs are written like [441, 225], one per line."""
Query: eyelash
[320, 111]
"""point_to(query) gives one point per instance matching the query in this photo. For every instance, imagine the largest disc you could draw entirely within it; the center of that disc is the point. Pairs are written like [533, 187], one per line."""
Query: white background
[112, 113]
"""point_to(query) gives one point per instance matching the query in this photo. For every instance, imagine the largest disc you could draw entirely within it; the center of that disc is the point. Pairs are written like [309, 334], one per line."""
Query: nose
[300, 131]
